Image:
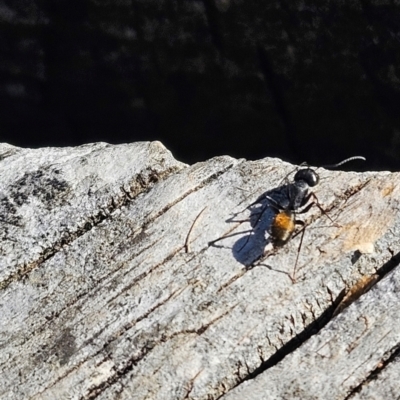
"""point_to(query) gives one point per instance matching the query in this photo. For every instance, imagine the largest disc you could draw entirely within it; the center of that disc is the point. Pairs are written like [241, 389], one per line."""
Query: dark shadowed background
[316, 81]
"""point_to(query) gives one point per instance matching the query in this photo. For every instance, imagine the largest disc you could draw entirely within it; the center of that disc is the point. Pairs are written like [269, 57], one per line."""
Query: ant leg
[293, 276]
[316, 203]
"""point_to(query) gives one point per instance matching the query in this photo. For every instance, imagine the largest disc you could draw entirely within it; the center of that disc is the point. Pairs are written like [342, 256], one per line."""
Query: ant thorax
[297, 192]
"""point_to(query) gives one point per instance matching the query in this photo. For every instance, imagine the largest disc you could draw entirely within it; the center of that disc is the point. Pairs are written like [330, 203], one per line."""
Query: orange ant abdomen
[282, 227]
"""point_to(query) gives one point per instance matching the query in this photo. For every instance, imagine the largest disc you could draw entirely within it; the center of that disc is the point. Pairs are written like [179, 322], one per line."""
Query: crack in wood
[95, 391]
[394, 353]
[103, 349]
[364, 284]
[289, 347]
[103, 214]
[68, 237]
[190, 384]
[390, 356]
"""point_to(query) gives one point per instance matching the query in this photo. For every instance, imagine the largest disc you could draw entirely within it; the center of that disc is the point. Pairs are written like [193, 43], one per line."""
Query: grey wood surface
[111, 286]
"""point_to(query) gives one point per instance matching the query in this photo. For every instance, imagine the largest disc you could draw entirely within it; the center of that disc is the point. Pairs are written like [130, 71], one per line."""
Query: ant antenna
[344, 162]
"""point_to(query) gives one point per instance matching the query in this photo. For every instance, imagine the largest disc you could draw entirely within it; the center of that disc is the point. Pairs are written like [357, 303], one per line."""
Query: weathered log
[114, 285]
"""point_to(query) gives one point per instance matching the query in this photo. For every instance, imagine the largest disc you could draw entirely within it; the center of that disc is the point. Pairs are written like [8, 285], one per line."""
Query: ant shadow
[256, 242]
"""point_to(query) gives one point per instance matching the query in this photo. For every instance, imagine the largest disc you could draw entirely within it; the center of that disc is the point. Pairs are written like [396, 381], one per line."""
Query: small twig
[187, 241]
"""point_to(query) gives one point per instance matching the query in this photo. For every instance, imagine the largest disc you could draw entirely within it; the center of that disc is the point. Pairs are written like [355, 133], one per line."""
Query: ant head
[307, 175]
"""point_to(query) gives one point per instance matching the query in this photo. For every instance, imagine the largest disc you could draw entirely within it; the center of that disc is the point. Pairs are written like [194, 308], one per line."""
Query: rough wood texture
[110, 288]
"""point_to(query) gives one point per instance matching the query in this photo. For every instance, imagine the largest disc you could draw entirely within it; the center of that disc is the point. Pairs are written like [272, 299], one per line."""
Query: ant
[298, 195]
[297, 201]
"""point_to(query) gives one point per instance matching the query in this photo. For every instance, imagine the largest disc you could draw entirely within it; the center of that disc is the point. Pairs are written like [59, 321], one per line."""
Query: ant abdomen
[282, 227]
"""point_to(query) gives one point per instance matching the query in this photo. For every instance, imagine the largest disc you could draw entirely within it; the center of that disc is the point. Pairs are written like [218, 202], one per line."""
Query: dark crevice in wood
[388, 266]
[390, 356]
[366, 283]
[293, 344]
[317, 325]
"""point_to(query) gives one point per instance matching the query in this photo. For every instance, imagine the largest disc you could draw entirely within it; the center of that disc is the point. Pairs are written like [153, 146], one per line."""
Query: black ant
[298, 196]
[297, 201]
